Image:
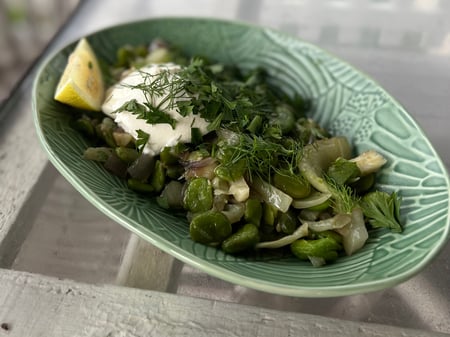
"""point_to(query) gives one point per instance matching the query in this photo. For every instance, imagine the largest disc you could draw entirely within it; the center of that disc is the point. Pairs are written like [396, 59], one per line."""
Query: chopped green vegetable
[253, 211]
[342, 171]
[100, 154]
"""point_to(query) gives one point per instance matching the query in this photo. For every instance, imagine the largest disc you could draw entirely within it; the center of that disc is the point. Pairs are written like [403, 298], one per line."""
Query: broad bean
[245, 238]
[198, 196]
[210, 227]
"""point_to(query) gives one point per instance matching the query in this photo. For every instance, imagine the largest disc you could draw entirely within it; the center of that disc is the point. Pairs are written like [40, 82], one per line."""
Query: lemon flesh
[81, 84]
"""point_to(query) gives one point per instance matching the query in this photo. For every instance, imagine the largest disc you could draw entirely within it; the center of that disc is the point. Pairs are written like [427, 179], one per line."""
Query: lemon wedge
[81, 84]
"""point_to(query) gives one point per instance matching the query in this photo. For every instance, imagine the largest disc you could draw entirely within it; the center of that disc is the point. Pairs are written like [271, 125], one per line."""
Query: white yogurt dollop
[161, 134]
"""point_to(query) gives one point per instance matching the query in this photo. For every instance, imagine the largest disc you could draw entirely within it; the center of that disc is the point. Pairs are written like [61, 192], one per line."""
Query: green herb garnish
[147, 112]
[142, 140]
[382, 210]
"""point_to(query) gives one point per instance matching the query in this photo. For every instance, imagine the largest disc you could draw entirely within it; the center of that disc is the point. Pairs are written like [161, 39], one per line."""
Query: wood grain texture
[24, 171]
[34, 305]
[144, 266]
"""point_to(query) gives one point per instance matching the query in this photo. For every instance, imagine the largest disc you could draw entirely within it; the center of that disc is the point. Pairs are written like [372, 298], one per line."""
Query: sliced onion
[299, 233]
[314, 199]
[319, 155]
[272, 195]
[234, 212]
[336, 222]
[317, 261]
[354, 235]
[200, 168]
[239, 189]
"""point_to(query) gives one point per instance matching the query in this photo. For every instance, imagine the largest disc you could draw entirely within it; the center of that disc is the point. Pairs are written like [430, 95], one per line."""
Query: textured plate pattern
[344, 100]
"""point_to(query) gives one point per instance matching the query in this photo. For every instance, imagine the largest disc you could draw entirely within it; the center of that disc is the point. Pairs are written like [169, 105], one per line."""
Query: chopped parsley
[382, 210]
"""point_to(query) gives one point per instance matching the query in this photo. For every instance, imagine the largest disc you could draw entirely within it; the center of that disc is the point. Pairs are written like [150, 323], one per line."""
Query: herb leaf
[382, 210]
[344, 199]
[342, 170]
[146, 111]
[142, 139]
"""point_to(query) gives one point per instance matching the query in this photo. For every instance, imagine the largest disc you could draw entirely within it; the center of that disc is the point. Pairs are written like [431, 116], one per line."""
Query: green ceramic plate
[344, 100]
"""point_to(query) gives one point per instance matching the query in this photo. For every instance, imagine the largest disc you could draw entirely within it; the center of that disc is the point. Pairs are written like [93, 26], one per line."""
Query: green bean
[269, 214]
[100, 154]
[105, 131]
[122, 139]
[158, 178]
[139, 186]
[126, 154]
[210, 227]
[86, 126]
[198, 196]
[245, 238]
[253, 211]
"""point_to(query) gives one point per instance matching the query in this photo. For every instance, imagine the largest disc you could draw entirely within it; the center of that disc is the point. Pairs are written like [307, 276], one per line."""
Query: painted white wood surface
[144, 266]
[34, 305]
[24, 180]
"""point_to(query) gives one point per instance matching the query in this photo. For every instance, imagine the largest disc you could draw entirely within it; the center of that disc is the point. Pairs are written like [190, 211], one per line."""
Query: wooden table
[404, 45]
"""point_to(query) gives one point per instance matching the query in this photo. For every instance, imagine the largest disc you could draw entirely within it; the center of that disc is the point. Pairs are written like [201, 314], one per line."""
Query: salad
[241, 159]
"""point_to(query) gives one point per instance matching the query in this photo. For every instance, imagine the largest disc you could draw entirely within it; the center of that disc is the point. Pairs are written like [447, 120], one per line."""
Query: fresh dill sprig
[343, 198]
[260, 156]
[162, 91]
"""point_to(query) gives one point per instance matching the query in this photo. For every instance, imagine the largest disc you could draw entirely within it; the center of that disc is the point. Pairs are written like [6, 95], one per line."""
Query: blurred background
[26, 26]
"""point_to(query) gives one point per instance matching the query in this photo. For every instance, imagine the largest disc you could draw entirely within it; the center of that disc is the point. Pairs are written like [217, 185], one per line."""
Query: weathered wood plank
[24, 170]
[35, 305]
[144, 266]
